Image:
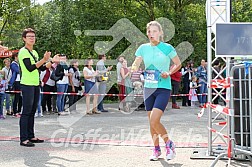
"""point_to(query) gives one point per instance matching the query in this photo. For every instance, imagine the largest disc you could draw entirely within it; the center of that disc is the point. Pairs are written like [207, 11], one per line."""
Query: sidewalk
[107, 139]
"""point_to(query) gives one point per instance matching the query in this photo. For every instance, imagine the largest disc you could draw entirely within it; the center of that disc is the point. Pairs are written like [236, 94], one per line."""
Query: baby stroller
[134, 101]
[138, 92]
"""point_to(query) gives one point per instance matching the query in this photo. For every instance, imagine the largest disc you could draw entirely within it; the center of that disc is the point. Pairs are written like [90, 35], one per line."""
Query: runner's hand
[165, 74]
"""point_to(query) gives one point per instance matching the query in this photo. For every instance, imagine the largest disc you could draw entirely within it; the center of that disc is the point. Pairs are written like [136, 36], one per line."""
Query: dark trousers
[47, 98]
[72, 98]
[30, 102]
[17, 102]
[175, 89]
[54, 99]
[186, 88]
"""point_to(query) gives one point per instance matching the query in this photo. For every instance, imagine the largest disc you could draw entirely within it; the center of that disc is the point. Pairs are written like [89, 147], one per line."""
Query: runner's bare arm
[175, 68]
[177, 64]
[136, 64]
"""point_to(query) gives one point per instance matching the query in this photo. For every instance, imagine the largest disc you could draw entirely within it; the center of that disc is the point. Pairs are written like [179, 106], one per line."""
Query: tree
[9, 11]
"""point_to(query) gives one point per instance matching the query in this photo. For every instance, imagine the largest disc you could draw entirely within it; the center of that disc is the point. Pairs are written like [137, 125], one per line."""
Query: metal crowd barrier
[241, 102]
[239, 123]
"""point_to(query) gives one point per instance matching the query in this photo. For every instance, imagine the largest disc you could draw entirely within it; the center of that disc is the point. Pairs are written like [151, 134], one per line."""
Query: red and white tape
[221, 83]
[229, 149]
[220, 123]
[83, 94]
[216, 107]
[75, 94]
[219, 133]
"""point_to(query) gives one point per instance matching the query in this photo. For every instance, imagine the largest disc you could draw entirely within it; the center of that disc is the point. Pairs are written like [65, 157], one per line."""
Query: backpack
[54, 77]
[74, 69]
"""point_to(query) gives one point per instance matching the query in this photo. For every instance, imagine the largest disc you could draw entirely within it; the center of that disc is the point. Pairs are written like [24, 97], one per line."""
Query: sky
[41, 2]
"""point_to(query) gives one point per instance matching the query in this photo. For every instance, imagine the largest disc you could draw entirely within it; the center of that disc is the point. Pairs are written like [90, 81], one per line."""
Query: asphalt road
[109, 139]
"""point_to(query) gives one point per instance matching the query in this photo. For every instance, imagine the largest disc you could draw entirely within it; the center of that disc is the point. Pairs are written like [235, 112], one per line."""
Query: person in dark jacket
[217, 68]
[201, 73]
[187, 73]
[175, 81]
[62, 84]
[14, 84]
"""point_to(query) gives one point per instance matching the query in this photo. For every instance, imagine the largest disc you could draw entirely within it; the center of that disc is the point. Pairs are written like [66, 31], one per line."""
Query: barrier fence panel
[241, 101]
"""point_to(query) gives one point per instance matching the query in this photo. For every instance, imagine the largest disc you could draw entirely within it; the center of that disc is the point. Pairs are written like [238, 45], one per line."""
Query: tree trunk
[5, 22]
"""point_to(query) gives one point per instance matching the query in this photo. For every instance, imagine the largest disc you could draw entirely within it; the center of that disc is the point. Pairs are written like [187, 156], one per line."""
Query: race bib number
[151, 76]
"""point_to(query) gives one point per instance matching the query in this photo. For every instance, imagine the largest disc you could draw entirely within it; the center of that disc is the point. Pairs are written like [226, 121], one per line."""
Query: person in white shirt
[74, 84]
[7, 77]
[48, 86]
[62, 84]
[90, 86]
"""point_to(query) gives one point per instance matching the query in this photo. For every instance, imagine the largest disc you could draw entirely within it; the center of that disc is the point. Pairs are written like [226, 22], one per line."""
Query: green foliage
[55, 23]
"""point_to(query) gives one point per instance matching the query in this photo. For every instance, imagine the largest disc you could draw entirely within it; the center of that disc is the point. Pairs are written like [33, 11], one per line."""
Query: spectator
[202, 75]
[3, 84]
[7, 77]
[192, 68]
[215, 75]
[102, 84]
[74, 84]
[126, 85]
[187, 73]
[14, 85]
[30, 66]
[137, 76]
[193, 91]
[62, 85]
[175, 81]
[39, 113]
[48, 86]
[54, 96]
[90, 86]
[119, 77]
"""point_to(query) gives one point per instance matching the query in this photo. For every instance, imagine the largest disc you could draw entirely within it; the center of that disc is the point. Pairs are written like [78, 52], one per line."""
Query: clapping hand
[47, 56]
[56, 58]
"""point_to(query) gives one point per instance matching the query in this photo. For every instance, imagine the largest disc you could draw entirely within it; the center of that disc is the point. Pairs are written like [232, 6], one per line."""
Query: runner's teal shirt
[157, 58]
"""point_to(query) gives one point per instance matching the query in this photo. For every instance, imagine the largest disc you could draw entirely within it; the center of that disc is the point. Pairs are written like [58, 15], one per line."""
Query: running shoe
[170, 151]
[155, 155]
[2, 117]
